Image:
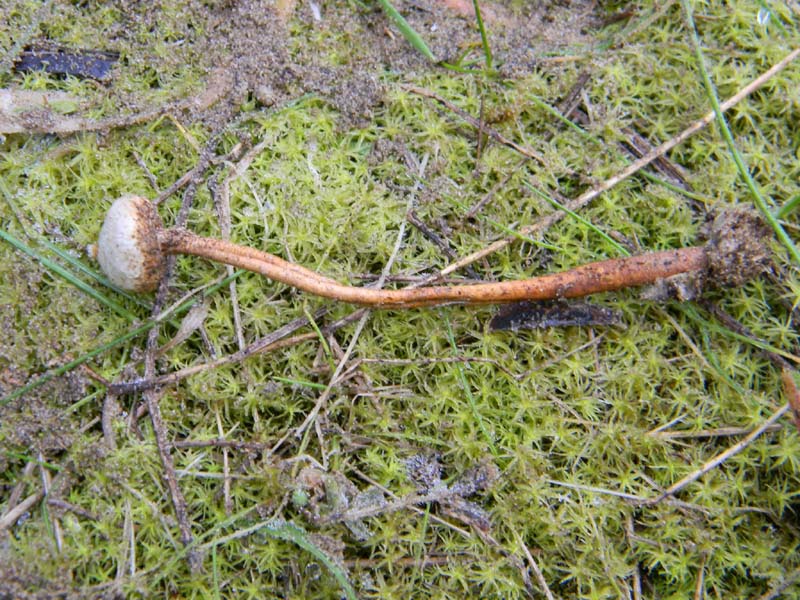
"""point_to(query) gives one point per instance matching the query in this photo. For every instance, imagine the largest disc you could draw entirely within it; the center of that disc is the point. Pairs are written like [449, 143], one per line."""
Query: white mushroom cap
[128, 249]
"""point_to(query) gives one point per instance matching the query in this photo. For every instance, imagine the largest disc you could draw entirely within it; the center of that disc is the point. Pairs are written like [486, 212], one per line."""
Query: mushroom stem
[602, 276]
[133, 244]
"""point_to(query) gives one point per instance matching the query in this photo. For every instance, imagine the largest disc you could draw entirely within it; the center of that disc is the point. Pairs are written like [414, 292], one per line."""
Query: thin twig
[534, 566]
[226, 470]
[733, 324]
[125, 548]
[431, 235]
[699, 586]
[597, 490]
[685, 337]
[476, 123]
[268, 343]
[221, 193]
[221, 443]
[440, 560]
[792, 394]
[480, 204]
[16, 491]
[708, 433]
[722, 457]
[67, 506]
[11, 516]
[421, 362]
[147, 172]
[151, 397]
[637, 583]
[778, 590]
[206, 159]
[46, 483]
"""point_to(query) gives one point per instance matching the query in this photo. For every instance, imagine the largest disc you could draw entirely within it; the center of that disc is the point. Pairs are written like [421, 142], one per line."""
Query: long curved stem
[602, 276]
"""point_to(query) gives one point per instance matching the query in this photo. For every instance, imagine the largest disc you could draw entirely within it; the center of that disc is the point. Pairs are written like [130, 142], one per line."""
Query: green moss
[562, 413]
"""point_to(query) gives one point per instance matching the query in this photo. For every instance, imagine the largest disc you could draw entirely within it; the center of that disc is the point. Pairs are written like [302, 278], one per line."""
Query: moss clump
[583, 426]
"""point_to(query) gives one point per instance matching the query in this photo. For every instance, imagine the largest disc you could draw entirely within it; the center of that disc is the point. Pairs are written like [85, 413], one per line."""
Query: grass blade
[788, 208]
[408, 32]
[301, 382]
[558, 206]
[67, 275]
[707, 325]
[744, 172]
[487, 51]
[287, 531]
[279, 529]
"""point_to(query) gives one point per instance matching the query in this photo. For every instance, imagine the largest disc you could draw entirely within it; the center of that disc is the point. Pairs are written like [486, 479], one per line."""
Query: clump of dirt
[273, 53]
[737, 251]
[23, 580]
[737, 246]
[36, 420]
[258, 46]
[682, 287]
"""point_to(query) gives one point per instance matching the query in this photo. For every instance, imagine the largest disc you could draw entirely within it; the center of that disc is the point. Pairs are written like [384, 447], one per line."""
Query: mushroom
[133, 245]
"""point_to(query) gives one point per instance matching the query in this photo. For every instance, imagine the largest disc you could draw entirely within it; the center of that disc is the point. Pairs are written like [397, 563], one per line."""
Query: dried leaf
[556, 313]
[86, 64]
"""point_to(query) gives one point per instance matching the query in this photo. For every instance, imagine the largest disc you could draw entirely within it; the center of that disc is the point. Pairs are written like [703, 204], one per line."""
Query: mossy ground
[555, 411]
